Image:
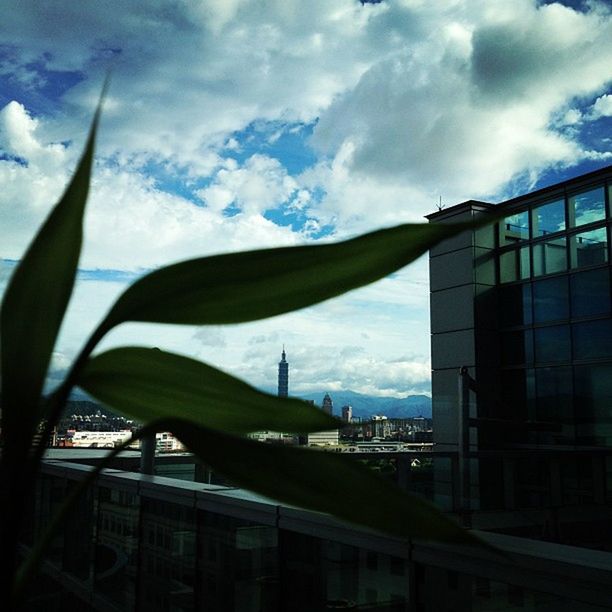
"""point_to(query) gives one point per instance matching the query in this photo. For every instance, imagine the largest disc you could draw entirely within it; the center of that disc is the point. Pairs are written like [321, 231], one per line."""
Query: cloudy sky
[234, 124]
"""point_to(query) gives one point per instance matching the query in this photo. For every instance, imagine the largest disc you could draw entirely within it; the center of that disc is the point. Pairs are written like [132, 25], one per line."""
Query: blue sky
[232, 125]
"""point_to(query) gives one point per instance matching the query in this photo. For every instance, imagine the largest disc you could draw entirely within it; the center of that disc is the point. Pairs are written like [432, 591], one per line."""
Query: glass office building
[524, 305]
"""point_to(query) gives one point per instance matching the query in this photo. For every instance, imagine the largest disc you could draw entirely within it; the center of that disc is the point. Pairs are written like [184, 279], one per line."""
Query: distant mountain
[365, 406]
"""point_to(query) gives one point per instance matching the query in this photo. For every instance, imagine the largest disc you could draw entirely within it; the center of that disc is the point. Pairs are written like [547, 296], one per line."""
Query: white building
[324, 438]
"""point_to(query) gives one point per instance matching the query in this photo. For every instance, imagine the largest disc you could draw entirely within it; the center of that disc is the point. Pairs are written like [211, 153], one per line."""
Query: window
[589, 248]
[552, 344]
[514, 265]
[515, 305]
[593, 392]
[587, 207]
[590, 293]
[514, 228]
[548, 218]
[550, 300]
[592, 339]
[554, 395]
[550, 256]
[517, 347]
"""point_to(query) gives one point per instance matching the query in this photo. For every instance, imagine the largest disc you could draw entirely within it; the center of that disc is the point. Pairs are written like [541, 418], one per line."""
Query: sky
[235, 124]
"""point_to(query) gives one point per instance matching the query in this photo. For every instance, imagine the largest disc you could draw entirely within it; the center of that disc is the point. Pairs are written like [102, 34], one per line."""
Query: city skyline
[298, 124]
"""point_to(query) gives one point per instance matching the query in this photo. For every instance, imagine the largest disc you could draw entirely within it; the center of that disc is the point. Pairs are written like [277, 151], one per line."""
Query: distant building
[97, 439]
[325, 438]
[347, 413]
[283, 375]
[328, 405]
[381, 427]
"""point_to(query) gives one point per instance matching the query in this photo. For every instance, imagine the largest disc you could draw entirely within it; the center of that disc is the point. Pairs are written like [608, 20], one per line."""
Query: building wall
[526, 305]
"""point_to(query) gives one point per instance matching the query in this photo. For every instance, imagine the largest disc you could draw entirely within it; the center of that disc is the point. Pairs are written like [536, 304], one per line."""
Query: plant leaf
[321, 481]
[149, 384]
[35, 302]
[252, 285]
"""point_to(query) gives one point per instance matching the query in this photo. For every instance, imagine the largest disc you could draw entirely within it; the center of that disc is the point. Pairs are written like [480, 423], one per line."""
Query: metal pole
[463, 446]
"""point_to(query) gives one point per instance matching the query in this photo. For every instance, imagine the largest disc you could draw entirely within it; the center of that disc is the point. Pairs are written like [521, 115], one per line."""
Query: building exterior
[328, 405]
[283, 375]
[325, 438]
[140, 542]
[381, 427]
[521, 322]
[347, 413]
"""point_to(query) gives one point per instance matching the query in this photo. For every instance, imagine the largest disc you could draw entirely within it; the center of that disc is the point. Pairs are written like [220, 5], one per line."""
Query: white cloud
[414, 101]
[602, 107]
[262, 183]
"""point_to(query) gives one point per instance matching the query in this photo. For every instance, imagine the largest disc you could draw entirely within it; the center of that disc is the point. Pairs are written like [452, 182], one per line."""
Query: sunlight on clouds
[406, 101]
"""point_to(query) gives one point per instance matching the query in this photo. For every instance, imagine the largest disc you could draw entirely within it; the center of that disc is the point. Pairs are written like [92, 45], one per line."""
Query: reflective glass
[590, 293]
[587, 207]
[589, 248]
[167, 556]
[517, 347]
[550, 300]
[593, 393]
[548, 218]
[549, 256]
[554, 403]
[514, 228]
[319, 574]
[592, 339]
[514, 265]
[515, 305]
[518, 393]
[117, 546]
[552, 344]
[237, 565]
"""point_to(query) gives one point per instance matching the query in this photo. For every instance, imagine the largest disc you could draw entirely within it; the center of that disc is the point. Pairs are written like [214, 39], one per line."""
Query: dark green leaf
[318, 480]
[35, 302]
[256, 284]
[149, 384]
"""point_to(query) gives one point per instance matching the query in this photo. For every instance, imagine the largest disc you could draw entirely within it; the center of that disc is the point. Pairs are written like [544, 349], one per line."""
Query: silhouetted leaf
[256, 284]
[149, 384]
[318, 480]
[35, 301]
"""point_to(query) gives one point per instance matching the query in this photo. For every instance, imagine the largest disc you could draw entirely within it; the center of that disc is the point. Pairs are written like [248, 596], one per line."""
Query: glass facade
[134, 545]
[555, 320]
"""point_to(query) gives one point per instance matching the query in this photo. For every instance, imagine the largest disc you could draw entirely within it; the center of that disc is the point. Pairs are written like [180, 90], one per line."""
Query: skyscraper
[347, 413]
[283, 375]
[328, 406]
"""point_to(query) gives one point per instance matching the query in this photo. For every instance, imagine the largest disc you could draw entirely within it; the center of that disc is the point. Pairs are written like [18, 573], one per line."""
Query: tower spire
[283, 375]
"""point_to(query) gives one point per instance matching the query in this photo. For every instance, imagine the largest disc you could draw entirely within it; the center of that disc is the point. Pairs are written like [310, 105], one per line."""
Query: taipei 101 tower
[283, 376]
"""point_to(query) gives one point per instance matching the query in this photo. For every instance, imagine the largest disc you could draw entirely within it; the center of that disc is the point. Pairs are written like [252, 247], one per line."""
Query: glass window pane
[514, 264]
[590, 293]
[554, 403]
[548, 218]
[592, 339]
[554, 394]
[552, 344]
[515, 305]
[587, 207]
[589, 248]
[508, 267]
[550, 300]
[593, 394]
[517, 347]
[514, 228]
[549, 256]
[117, 546]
